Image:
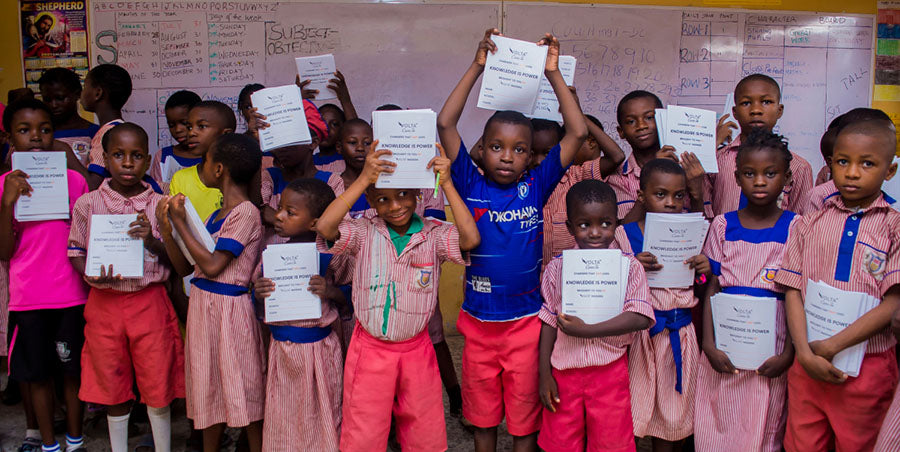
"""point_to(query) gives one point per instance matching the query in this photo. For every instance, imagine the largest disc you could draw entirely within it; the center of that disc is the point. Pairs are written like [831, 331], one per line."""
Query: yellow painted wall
[451, 283]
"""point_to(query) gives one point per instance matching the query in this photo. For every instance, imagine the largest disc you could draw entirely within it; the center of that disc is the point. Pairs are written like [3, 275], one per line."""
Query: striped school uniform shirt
[238, 233]
[889, 436]
[746, 408]
[576, 352]
[817, 196]
[395, 296]
[657, 408]
[849, 250]
[726, 193]
[273, 182]
[556, 234]
[106, 201]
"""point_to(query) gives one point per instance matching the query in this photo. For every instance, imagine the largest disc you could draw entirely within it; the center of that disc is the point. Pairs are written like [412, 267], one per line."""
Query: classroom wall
[451, 283]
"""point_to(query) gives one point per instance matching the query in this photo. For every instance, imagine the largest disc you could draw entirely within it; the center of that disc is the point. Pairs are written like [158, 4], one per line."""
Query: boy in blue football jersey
[502, 296]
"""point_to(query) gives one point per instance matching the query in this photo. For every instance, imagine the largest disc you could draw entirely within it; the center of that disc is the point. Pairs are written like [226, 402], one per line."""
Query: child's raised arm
[449, 116]
[327, 225]
[339, 85]
[469, 237]
[613, 155]
[573, 117]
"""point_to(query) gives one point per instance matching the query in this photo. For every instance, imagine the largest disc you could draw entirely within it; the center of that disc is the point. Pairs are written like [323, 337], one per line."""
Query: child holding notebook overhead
[745, 249]
[131, 333]
[662, 363]
[502, 294]
[391, 366]
[851, 244]
[583, 369]
[224, 356]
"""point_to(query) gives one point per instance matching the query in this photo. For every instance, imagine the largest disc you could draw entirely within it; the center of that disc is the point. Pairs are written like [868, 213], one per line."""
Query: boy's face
[89, 95]
[860, 164]
[395, 206]
[762, 174]
[638, 125]
[293, 217]
[507, 151]
[664, 193]
[757, 106]
[204, 126]
[541, 143]
[32, 130]
[177, 119]
[127, 159]
[334, 122]
[63, 103]
[354, 145]
[593, 224]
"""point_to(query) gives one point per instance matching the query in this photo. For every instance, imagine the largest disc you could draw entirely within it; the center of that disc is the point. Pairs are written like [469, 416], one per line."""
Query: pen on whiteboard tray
[437, 184]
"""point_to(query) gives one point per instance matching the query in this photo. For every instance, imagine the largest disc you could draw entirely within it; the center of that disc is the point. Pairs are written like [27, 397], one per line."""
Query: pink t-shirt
[40, 274]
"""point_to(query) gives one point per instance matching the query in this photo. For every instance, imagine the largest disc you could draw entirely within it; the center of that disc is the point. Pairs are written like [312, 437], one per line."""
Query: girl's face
[762, 174]
[63, 102]
[31, 130]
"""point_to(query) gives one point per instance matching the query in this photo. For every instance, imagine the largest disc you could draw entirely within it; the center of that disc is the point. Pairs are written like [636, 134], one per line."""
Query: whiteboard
[694, 57]
[410, 54]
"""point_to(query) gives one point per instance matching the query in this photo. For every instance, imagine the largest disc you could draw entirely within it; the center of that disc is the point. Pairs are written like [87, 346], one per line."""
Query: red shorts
[500, 373]
[381, 378]
[131, 336]
[594, 410]
[845, 417]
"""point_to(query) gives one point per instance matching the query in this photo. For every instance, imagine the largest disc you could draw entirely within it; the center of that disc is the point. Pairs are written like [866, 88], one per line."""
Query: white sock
[118, 432]
[161, 426]
[72, 444]
[32, 433]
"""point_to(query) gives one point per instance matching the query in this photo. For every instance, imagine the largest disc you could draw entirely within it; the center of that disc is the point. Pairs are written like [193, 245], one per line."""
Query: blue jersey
[503, 281]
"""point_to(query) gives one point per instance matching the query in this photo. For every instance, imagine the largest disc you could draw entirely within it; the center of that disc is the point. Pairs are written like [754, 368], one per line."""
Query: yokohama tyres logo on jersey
[526, 216]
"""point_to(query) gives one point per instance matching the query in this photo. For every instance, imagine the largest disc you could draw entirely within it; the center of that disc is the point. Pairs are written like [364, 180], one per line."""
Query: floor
[12, 425]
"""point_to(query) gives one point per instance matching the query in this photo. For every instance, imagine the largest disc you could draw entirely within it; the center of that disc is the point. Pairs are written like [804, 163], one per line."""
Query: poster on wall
[54, 34]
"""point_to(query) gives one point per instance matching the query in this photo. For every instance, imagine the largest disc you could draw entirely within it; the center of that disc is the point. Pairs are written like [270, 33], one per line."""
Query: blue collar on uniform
[635, 236]
[778, 233]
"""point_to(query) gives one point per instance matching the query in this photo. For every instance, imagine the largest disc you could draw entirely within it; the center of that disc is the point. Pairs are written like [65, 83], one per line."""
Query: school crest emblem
[874, 262]
[767, 275]
[423, 278]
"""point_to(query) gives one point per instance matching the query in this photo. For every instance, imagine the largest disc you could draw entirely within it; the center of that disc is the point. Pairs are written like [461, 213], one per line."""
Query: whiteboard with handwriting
[412, 54]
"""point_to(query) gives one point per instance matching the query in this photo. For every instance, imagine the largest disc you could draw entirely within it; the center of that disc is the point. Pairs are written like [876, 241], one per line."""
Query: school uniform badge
[423, 278]
[523, 190]
[767, 275]
[874, 262]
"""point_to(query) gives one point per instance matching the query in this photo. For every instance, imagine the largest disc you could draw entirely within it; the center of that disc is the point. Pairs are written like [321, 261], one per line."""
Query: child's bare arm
[863, 328]
[626, 322]
[210, 263]
[548, 388]
[573, 117]
[339, 85]
[448, 118]
[328, 223]
[15, 185]
[613, 155]
[717, 358]
[816, 366]
[469, 237]
[179, 263]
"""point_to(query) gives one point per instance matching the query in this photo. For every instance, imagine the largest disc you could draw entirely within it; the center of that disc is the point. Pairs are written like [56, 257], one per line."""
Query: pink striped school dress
[225, 358]
[556, 234]
[658, 408]
[304, 378]
[745, 409]
[889, 436]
